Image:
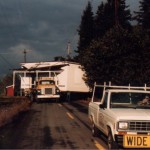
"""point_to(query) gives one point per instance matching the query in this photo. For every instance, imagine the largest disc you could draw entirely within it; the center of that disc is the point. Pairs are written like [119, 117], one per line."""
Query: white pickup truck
[122, 114]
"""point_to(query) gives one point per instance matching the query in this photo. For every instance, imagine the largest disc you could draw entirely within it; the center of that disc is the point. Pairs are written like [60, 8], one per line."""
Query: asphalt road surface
[51, 126]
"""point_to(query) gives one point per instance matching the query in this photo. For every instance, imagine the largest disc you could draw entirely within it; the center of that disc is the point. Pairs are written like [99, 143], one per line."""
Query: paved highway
[51, 126]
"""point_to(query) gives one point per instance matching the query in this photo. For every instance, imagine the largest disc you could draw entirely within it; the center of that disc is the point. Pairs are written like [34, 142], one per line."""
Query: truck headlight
[123, 125]
[57, 91]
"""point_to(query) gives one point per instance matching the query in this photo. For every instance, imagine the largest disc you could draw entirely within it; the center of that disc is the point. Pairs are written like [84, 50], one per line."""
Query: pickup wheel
[110, 141]
[95, 131]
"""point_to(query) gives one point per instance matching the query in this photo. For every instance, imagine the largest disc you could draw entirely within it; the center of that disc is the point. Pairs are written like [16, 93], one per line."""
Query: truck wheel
[110, 141]
[57, 100]
[31, 98]
[95, 131]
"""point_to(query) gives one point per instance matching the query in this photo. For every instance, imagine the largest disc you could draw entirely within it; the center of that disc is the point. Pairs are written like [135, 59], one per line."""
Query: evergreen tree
[124, 15]
[59, 58]
[86, 31]
[142, 42]
[113, 12]
[143, 16]
[99, 26]
[5, 81]
[120, 56]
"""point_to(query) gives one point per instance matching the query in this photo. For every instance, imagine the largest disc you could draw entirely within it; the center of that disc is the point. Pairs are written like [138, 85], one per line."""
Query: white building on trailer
[67, 75]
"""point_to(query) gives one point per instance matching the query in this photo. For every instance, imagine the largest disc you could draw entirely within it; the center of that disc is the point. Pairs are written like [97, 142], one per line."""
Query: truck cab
[46, 89]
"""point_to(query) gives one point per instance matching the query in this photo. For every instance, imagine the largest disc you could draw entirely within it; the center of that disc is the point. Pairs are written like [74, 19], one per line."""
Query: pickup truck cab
[122, 114]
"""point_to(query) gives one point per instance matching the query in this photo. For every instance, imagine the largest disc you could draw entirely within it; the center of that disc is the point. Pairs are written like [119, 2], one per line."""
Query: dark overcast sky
[42, 27]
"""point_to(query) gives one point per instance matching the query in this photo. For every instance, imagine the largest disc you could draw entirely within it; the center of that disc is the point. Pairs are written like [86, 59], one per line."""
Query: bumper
[48, 96]
[119, 140]
[139, 141]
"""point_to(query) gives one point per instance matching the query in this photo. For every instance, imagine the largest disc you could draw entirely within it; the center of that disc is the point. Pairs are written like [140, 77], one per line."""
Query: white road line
[60, 105]
[100, 147]
[69, 115]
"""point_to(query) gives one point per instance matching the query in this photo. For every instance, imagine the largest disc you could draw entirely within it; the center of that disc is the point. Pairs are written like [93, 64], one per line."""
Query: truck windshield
[130, 100]
[43, 82]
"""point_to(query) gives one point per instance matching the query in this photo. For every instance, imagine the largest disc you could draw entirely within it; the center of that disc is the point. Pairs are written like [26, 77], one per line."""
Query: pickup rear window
[125, 100]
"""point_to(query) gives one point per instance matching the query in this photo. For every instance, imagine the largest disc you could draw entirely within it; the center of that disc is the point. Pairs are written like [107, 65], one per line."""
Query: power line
[6, 61]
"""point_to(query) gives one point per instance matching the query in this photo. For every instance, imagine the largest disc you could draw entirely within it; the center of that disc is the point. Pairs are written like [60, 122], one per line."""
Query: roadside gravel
[11, 107]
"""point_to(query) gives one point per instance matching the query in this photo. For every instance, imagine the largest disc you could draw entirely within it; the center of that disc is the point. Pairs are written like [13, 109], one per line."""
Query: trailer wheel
[38, 100]
[57, 100]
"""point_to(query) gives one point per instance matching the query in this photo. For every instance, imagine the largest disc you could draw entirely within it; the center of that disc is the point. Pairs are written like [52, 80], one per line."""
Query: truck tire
[31, 98]
[95, 130]
[110, 141]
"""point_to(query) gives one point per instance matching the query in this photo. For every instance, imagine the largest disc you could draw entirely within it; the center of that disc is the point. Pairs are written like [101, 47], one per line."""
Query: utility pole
[116, 13]
[68, 50]
[25, 52]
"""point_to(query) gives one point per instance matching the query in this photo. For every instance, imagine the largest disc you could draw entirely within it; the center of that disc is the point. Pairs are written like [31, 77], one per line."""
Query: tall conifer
[99, 25]
[143, 16]
[112, 13]
[86, 31]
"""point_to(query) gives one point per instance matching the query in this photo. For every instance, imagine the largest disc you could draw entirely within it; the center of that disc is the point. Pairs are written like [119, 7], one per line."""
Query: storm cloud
[42, 27]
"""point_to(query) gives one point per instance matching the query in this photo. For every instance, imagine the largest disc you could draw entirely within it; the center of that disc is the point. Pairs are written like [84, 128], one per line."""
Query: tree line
[114, 44]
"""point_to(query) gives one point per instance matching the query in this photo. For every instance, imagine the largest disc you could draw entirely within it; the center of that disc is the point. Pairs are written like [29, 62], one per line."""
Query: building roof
[40, 65]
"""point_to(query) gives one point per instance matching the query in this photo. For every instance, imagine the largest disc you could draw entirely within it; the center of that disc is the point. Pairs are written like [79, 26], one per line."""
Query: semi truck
[45, 88]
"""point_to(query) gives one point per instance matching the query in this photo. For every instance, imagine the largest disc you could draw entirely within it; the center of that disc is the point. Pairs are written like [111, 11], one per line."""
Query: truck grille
[48, 91]
[139, 126]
